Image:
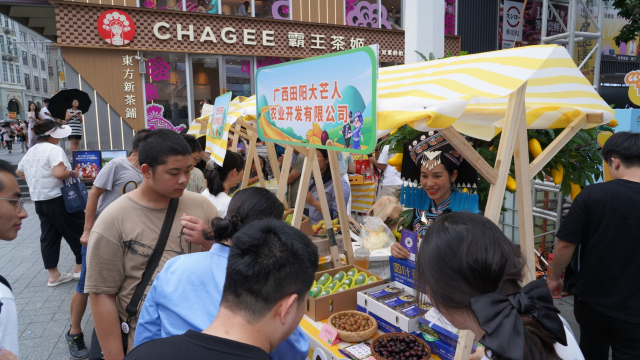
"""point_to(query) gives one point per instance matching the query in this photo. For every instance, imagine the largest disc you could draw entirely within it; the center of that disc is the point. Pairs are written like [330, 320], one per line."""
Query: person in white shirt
[44, 112]
[221, 179]
[472, 275]
[12, 213]
[391, 182]
[44, 167]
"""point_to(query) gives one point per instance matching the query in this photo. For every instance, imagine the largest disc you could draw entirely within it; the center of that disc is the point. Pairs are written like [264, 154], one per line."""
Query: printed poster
[531, 29]
[325, 102]
[218, 128]
[88, 164]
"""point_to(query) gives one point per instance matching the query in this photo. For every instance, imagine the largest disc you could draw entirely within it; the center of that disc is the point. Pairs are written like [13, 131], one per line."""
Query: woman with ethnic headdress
[429, 159]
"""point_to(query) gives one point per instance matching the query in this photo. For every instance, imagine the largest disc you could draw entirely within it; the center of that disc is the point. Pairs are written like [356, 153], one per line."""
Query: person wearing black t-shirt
[263, 298]
[600, 238]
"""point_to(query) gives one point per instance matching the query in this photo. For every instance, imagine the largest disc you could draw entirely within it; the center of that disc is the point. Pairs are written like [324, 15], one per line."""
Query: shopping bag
[74, 194]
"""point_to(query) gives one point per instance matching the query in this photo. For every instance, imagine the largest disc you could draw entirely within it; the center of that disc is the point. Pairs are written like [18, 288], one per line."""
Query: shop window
[5, 73]
[25, 58]
[22, 37]
[34, 61]
[12, 73]
[176, 5]
[273, 9]
[166, 89]
[27, 82]
[33, 41]
[236, 7]
[206, 82]
[207, 6]
[18, 73]
[36, 84]
[45, 86]
[43, 67]
[238, 73]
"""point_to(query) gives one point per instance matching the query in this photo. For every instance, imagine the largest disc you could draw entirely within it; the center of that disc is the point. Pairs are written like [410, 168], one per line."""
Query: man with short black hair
[603, 224]
[125, 235]
[258, 309]
[117, 178]
[197, 183]
[12, 213]
[44, 112]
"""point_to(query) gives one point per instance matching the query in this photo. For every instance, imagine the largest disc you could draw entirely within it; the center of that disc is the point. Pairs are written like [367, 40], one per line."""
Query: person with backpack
[137, 234]
[8, 135]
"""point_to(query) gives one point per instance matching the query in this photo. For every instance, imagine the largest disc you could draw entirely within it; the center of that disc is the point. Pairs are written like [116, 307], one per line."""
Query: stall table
[312, 330]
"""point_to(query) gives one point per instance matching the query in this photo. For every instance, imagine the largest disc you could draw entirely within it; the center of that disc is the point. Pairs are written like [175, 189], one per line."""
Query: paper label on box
[411, 311]
[329, 335]
[359, 351]
[409, 239]
[399, 301]
[384, 292]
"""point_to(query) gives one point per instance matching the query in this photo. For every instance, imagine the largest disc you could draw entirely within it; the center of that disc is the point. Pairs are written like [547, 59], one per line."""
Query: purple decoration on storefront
[158, 69]
[150, 4]
[246, 67]
[151, 92]
[450, 17]
[367, 15]
[155, 120]
[267, 61]
[275, 9]
[191, 6]
[349, 6]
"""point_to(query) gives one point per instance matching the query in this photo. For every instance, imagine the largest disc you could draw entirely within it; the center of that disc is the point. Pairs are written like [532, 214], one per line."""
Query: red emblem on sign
[116, 27]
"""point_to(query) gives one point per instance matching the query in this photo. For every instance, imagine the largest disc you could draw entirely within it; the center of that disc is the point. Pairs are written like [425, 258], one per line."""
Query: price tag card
[359, 351]
[409, 240]
[329, 335]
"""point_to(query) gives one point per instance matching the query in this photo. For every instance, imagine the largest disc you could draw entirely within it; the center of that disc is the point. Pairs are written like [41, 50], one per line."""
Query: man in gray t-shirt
[120, 176]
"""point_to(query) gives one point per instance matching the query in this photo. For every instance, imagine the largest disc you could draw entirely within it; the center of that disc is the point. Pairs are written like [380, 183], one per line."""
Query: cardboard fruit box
[323, 307]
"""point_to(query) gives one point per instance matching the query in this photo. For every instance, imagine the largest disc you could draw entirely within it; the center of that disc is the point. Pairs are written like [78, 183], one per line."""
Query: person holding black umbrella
[74, 119]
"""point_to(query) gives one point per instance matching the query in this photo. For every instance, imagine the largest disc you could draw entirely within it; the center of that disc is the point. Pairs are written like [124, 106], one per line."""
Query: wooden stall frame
[513, 143]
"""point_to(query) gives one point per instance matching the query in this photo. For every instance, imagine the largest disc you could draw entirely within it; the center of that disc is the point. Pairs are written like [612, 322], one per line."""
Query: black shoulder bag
[152, 265]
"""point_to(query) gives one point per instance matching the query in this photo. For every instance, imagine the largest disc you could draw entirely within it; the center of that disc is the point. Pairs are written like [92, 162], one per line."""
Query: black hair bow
[499, 316]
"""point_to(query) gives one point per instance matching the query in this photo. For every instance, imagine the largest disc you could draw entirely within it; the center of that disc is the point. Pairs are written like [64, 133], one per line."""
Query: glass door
[207, 82]
[239, 75]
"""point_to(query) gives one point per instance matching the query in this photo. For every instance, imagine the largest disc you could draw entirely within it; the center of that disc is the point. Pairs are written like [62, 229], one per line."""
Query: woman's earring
[453, 185]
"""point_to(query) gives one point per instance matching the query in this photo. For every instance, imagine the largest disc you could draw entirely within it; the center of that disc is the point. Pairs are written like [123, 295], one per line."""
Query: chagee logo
[116, 27]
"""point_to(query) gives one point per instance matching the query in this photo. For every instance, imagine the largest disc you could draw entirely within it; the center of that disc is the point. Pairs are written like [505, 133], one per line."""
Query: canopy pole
[284, 175]
[326, 212]
[342, 207]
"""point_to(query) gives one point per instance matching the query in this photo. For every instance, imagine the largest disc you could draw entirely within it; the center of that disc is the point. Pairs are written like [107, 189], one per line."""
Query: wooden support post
[305, 178]
[252, 154]
[273, 160]
[558, 143]
[342, 207]
[469, 153]
[326, 213]
[235, 139]
[284, 175]
[515, 115]
[525, 207]
[464, 347]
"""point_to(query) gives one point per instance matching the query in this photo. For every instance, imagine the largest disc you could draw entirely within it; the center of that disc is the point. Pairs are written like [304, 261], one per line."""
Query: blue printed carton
[402, 271]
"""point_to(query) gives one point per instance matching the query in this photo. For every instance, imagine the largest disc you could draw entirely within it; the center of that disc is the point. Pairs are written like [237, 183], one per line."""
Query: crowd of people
[177, 265]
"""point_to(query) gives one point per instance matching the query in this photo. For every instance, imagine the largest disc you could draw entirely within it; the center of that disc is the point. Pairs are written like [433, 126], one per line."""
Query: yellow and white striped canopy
[471, 92]
[243, 107]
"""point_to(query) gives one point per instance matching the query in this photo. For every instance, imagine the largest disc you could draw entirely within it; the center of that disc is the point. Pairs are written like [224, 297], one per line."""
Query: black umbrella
[61, 102]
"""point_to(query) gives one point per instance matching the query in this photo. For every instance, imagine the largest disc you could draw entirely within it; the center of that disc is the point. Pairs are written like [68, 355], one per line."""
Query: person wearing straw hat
[436, 180]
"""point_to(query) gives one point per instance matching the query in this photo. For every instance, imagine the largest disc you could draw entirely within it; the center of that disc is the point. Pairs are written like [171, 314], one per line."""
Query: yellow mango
[575, 190]
[315, 140]
[534, 147]
[317, 131]
[557, 174]
[396, 160]
[310, 134]
[511, 184]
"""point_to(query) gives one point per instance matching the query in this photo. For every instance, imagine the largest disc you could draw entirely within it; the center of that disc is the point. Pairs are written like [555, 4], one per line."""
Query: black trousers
[56, 222]
[599, 332]
[9, 144]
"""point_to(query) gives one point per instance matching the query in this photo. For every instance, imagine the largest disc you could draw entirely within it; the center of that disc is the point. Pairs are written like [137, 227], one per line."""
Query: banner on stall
[326, 102]
[88, 163]
[218, 128]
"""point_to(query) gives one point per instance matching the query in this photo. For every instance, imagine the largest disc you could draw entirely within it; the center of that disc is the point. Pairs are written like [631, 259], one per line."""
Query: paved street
[43, 312]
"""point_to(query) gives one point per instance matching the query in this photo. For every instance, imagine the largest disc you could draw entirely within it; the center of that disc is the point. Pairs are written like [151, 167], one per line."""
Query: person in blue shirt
[186, 294]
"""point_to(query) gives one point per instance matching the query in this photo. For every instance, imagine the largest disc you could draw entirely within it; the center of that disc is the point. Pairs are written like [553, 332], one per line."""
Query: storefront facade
[156, 67]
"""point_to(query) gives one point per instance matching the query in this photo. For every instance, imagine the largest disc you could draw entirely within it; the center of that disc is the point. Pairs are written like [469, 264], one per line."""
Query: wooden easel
[309, 169]
[512, 143]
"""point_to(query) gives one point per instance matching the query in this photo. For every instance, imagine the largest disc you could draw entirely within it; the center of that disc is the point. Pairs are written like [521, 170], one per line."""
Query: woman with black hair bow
[472, 274]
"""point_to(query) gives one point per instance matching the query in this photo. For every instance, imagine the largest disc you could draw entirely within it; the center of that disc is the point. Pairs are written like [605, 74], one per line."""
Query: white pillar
[423, 23]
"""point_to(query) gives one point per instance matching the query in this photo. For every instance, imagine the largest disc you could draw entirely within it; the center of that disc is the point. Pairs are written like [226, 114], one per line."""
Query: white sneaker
[63, 279]
[76, 275]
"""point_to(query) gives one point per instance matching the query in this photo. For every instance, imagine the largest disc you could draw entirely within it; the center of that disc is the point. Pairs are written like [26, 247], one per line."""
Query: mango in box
[325, 292]
[324, 280]
[352, 273]
[371, 279]
[315, 291]
[343, 288]
[348, 282]
[333, 286]
[361, 279]
[339, 276]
